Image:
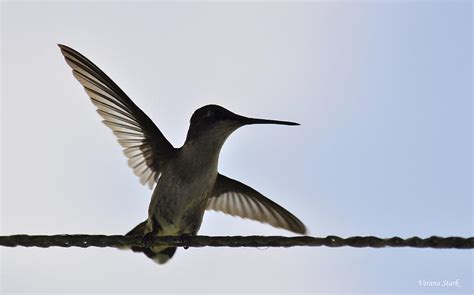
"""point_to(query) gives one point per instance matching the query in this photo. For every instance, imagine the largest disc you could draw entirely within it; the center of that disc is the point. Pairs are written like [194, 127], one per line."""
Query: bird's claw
[147, 240]
[186, 240]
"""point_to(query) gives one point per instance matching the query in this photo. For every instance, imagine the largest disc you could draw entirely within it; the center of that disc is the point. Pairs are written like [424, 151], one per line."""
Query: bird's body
[186, 179]
[179, 201]
[181, 193]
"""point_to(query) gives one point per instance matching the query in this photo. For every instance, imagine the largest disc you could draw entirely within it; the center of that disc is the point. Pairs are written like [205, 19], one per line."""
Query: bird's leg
[186, 239]
[147, 239]
[151, 230]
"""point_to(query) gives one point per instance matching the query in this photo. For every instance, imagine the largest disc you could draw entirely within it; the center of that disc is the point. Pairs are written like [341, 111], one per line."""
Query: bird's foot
[147, 240]
[186, 240]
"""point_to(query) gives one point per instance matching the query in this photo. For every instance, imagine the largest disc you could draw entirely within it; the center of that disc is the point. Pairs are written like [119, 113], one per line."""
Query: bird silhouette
[185, 180]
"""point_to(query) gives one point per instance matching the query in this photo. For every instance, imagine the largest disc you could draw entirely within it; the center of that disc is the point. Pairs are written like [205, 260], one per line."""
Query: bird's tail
[159, 254]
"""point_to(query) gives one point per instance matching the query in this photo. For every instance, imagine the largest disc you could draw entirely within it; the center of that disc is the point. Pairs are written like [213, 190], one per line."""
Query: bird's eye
[209, 114]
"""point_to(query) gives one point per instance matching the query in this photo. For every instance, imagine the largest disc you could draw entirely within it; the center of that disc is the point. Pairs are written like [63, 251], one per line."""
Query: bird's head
[218, 122]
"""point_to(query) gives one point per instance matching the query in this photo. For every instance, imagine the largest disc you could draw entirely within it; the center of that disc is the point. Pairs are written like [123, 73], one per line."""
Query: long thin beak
[249, 121]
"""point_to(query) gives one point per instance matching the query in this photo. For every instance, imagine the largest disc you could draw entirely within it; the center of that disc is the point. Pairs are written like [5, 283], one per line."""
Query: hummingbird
[185, 180]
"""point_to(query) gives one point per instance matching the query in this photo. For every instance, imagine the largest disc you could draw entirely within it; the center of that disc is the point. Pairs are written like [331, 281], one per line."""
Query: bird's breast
[180, 198]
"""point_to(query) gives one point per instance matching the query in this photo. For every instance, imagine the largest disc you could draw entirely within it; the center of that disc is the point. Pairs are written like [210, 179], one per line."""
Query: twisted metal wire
[119, 241]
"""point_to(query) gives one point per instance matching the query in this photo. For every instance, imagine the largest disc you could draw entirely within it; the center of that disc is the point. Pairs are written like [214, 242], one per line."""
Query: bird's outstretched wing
[144, 145]
[237, 199]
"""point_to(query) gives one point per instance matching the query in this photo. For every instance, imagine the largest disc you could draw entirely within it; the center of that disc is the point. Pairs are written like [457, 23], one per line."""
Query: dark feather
[235, 198]
[129, 123]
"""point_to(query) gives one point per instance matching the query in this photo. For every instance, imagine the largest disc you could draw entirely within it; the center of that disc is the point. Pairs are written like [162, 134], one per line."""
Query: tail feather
[138, 230]
[159, 254]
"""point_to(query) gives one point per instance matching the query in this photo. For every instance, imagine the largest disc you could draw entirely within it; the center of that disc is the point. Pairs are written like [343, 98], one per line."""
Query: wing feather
[237, 199]
[144, 145]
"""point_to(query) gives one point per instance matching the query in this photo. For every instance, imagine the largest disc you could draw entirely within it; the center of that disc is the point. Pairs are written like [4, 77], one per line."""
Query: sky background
[383, 91]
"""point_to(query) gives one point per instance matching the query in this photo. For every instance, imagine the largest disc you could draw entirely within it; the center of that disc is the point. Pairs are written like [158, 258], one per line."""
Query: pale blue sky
[383, 91]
